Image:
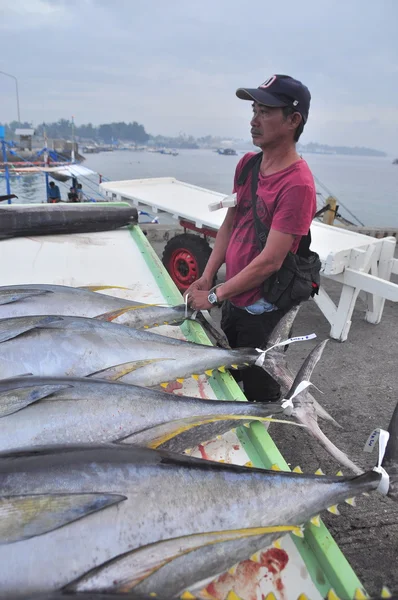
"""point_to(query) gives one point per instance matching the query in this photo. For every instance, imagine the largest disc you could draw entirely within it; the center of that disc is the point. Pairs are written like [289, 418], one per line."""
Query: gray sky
[174, 65]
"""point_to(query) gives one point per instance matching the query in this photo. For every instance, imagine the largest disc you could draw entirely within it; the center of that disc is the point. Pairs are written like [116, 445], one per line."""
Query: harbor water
[367, 186]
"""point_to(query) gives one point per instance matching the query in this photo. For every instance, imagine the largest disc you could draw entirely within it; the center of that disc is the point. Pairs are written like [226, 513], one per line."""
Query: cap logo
[268, 82]
[295, 102]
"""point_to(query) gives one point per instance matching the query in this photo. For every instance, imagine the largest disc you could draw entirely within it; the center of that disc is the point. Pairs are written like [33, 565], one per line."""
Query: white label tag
[383, 436]
[299, 338]
[287, 405]
[372, 440]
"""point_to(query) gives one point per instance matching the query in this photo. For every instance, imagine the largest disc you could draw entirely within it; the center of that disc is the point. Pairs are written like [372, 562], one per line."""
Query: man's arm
[263, 266]
[217, 257]
[269, 261]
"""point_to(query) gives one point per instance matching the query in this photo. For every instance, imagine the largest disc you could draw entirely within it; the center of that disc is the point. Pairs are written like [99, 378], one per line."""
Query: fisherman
[72, 195]
[53, 193]
[80, 196]
[264, 229]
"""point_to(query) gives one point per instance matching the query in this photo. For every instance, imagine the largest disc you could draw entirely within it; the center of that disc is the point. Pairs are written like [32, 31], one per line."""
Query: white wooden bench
[362, 264]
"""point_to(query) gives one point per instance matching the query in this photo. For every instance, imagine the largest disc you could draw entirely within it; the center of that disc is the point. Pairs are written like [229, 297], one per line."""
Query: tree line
[107, 132]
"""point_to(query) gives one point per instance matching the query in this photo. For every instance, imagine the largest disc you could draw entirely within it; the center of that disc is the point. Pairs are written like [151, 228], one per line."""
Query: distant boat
[169, 151]
[227, 151]
[395, 161]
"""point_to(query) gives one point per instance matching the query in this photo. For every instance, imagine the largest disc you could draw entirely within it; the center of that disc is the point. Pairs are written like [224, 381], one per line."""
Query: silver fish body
[77, 346]
[46, 299]
[37, 411]
[78, 507]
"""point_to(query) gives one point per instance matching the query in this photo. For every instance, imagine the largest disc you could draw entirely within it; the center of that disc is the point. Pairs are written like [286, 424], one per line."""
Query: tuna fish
[77, 346]
[77, 507]
[44, 299]
[60, 346]
[42, 411]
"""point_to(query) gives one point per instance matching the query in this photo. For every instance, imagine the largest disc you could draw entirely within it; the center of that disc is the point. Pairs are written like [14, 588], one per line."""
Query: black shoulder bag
[298, 279]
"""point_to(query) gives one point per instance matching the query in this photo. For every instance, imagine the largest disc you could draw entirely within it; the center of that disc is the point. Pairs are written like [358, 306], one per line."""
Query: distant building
[25, 138]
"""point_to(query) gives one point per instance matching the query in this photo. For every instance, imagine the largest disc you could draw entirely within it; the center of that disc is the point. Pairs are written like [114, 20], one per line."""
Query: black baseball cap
[280, 91]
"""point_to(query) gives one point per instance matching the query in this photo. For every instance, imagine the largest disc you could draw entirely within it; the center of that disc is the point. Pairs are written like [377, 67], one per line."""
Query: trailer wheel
[185, 257]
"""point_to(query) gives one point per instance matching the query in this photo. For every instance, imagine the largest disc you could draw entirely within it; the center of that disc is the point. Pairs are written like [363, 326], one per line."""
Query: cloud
[175, 66]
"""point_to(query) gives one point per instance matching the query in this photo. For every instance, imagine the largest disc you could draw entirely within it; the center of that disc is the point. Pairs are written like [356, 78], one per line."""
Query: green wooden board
[325, 562]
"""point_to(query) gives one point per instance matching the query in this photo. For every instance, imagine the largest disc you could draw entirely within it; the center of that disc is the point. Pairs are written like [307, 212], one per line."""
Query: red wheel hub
[183, 268]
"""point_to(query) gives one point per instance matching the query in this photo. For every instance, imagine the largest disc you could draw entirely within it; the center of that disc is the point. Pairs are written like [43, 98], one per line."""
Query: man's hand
[197, 299]
[200, 284]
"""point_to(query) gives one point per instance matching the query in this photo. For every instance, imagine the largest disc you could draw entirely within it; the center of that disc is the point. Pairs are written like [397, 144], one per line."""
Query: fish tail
[283, 329]
[390, 461]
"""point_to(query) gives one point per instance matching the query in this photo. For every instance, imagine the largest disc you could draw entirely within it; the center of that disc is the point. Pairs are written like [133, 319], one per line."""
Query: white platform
[362, 264]
[114, 258]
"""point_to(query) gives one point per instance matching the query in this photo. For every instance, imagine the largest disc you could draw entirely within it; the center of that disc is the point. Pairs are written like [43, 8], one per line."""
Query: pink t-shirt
[286, 202]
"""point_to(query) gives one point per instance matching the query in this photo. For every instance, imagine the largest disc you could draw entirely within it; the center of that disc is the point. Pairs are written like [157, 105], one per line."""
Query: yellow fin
[350, 501]
[153, 594]
[232, 596]
[194, 376]
[316, 521]
[164, 384]
[360, 595]
[24, 517]
[334, 510]
[117, 371]
[96, 288]
[209, 372]
[248, 464]
[270, 596]
[298, 532]
[222, 369]
[297, 469]
[275, 467]
[180, 380]
[187, 596]
[111, 315]
[277, 544]
[385, 592]
[339, 474]
[235, 366]
[255, 557]
[232, 570]
[332, 595]
[303, 597]
[319, 472]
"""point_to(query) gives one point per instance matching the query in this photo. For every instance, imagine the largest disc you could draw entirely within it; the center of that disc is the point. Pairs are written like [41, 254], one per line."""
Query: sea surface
[366, 186]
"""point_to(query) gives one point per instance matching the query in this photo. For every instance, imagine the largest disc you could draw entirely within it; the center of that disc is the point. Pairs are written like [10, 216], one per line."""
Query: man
[53, 194]
[286, 205]
[80, 196]
[72, 194]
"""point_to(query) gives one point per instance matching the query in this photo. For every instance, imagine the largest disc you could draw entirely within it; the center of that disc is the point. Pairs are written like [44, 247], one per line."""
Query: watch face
[212, 298]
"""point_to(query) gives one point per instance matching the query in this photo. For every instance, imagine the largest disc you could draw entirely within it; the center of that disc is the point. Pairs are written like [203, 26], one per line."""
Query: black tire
[185, 257]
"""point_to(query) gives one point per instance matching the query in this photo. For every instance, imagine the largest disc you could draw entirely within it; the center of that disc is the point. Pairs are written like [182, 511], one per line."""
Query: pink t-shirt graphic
[286, 202]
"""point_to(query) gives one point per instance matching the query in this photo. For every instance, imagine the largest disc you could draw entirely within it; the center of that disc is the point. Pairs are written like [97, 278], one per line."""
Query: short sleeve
[295, 210]
[239, 168]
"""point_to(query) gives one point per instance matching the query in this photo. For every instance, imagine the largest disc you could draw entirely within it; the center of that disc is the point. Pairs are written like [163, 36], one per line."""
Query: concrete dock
[359, 379]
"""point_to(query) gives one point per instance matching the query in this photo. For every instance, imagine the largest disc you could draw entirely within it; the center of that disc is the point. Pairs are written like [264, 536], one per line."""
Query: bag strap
[261, 230]
[253, 166]
[253, 160]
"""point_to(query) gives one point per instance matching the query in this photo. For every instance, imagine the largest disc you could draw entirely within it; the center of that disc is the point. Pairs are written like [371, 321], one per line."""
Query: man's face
[268, 125]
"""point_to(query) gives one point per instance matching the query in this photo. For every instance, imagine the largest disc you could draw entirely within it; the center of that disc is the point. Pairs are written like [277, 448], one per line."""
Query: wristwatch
[212, 298]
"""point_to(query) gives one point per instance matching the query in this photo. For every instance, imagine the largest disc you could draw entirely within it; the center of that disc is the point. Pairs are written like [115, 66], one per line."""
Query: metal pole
[73, 141]
[8, 187]
[47, 185]
[16, 89]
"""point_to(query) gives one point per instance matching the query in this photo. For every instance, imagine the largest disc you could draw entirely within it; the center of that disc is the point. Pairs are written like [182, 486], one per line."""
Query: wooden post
[330, 214]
